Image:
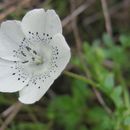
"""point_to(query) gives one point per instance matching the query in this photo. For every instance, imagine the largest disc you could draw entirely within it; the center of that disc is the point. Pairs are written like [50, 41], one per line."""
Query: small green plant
[106, 62]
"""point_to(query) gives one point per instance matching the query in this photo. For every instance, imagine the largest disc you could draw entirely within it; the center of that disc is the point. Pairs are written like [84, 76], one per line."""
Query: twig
[13, 9]
[78, 11]
[7, 4]
[107, 17]
[8, 120]
[78, 44]
[101, 101]
[75, 27]
[7, 12]
[91, 19]
[51, 93]
[8, 111]
[77, 34]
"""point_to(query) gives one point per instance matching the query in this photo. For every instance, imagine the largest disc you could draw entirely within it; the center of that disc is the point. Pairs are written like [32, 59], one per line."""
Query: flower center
[38, 60]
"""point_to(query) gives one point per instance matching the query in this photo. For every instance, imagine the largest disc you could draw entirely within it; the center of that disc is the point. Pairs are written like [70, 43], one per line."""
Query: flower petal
[12, 29]
[10, 38]
[34, 91]
[41, 23]
[38, 86]
[12, 78]
[60, 55]
[53, 23]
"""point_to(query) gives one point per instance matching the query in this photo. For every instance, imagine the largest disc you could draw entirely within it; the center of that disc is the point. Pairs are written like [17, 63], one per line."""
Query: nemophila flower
[33, 53]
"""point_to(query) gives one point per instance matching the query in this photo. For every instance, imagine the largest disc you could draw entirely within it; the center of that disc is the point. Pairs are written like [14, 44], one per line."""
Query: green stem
[125, 90]
[126, 96]
[82, 78]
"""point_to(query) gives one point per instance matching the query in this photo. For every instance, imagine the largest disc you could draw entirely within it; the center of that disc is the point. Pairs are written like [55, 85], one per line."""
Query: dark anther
[28, 48]
[33, 58]
[23, 53]
[35, 52]
[25, 62]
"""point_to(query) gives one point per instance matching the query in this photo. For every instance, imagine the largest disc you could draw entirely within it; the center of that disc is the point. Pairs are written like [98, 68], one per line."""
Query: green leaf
[99, 119]
[29, 126]
[109, 82]
[107, 40]
[127, 120]
[125, 40]
[116, 96]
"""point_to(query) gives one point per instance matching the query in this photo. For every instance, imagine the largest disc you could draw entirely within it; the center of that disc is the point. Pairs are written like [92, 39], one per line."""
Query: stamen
[25, 62]
[28, 48]
[23, 53]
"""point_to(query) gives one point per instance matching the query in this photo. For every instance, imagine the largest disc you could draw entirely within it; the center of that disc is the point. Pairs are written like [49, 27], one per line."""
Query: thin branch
[78, 11]
[101, 101]
[91, 19]
[77, 35]
[51, 93]
[94, 86]
[75, 27]
[107, 17]
[78, 45]
[8, 111]
[9, 119]
[13, 8]
[8, 3]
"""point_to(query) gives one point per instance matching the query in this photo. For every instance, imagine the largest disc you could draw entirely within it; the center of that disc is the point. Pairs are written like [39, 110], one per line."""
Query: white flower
[33, 53]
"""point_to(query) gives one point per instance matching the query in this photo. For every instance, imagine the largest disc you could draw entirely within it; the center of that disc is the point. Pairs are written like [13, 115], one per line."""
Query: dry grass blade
[107, 17]
[11, 116]
[77, 11]
[13, 8]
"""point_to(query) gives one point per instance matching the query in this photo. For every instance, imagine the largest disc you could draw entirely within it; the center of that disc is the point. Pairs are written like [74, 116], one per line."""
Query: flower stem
[82, 78]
